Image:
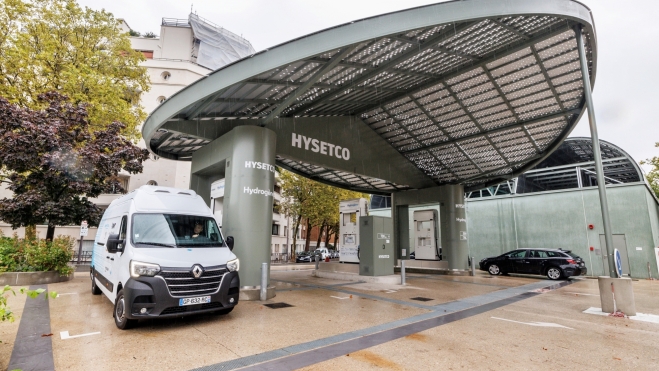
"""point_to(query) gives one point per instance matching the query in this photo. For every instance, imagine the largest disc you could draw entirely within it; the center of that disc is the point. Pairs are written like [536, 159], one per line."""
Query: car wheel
[95, 289]
[554, 273]
[224, 311]
[493, 269]
[120, 319]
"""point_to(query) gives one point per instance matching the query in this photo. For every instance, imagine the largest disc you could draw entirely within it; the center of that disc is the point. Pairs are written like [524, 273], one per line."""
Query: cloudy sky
[625, 91]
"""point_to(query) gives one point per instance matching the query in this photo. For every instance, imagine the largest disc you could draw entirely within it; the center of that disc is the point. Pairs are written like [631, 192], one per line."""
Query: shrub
[21, 255]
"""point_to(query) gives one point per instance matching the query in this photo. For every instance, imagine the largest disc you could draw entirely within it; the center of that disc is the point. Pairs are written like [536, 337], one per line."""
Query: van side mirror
[230, 242]
[114, 244]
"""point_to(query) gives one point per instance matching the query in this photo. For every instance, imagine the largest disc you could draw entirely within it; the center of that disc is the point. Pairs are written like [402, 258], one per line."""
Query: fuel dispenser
[426, 235]
[349, 213]
[217, 200]
[376, 246]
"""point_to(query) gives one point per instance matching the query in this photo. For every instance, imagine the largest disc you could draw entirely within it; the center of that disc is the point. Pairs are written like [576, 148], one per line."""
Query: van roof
[156, 198]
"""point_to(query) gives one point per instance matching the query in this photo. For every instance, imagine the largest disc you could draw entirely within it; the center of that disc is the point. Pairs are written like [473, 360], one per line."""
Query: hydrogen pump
[349, 213]
[426, 235]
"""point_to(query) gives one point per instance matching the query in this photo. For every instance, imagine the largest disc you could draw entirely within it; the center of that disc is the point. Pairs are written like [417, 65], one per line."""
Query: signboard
[83, 229]
[217, 189]
[618, 262]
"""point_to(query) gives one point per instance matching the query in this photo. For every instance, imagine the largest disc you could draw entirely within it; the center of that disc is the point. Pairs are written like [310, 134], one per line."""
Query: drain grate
[277, 305]
[419, 298]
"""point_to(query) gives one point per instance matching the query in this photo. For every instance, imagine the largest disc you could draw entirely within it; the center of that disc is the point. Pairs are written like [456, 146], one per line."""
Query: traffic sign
[618, 261]
[83, 228]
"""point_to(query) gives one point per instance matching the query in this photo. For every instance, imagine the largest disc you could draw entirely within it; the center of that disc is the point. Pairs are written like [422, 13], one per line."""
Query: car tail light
[571, 261]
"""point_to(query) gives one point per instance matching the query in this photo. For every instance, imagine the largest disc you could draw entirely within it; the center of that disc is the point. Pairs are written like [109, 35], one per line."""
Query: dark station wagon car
[554, 263]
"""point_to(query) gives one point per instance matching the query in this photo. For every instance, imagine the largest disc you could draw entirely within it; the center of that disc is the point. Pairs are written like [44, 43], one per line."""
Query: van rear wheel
[120, 309]
[95, 289]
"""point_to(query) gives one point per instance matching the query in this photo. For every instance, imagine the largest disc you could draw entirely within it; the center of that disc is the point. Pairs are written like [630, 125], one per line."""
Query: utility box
[376, 246]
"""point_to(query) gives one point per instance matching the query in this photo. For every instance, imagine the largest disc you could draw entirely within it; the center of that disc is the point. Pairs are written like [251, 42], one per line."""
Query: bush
[23, 255]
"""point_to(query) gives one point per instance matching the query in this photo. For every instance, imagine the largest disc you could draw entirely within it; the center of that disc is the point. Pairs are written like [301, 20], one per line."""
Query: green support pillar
[453, 225]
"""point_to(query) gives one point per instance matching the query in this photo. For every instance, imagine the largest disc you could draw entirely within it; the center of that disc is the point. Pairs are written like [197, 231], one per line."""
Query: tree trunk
[320, 233]
[327, 237]
[308, 241]
[294, 231]
[50, 234]
[31, 232]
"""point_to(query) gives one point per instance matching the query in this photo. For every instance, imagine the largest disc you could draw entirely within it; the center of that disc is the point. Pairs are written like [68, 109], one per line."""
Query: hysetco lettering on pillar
[258, 166]
[319, 146]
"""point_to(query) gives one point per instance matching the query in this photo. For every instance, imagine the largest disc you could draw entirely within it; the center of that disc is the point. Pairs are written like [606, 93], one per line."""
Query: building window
[276, 208]
[277, 189]
[275, 229]
[121, 187]
[165, 75]
[285, 231]
[276, 247]
[148, 54]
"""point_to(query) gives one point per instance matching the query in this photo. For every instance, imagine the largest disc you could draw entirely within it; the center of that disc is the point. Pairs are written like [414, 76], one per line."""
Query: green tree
[54, 164]
[296, 195]
[653, 175]
[55, 45]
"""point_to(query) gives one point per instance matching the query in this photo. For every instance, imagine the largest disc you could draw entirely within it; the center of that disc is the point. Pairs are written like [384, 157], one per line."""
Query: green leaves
[24, 255]
[55, 45]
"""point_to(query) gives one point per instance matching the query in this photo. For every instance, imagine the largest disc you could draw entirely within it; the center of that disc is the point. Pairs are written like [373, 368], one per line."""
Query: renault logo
[197, 271]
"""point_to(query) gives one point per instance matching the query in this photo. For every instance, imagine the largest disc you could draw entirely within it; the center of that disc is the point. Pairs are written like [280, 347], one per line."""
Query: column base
[624, 295]
[253, 293]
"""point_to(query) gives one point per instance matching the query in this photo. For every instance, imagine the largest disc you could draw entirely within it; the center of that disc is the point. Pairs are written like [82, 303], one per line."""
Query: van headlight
[233, 265]
[143, 269]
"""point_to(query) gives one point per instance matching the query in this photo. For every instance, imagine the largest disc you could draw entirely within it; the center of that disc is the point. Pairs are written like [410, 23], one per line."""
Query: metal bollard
[317, 261]
[473, 266]
[402, 272]
[264, 282]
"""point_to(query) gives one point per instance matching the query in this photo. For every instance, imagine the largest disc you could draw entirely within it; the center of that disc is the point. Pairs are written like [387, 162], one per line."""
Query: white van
[159, 253]
[323, 251]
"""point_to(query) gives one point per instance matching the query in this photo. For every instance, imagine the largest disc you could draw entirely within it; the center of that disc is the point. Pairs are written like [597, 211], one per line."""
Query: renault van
[159, 253]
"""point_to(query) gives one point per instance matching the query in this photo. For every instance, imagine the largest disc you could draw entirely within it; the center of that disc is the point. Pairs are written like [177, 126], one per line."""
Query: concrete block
[624, 295]
[253, 294]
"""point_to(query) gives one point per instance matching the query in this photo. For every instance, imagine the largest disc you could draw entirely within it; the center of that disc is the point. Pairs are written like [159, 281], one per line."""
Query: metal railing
[277, 257]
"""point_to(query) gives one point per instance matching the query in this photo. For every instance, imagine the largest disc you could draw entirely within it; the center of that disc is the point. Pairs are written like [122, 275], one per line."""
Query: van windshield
[171, 230]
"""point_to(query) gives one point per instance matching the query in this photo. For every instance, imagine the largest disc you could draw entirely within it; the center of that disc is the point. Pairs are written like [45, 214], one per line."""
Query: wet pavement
[434, 322]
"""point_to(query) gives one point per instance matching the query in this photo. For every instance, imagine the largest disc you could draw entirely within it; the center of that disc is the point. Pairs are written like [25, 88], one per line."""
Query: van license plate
[193, 301]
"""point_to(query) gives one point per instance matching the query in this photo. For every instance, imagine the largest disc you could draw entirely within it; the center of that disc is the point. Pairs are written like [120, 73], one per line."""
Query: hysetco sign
[319, 146]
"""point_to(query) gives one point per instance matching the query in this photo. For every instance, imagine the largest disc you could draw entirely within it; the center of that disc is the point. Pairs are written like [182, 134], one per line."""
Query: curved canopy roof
[468, 92]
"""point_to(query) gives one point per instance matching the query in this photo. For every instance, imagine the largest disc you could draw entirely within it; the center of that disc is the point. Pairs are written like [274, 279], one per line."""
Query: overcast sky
[625, 93]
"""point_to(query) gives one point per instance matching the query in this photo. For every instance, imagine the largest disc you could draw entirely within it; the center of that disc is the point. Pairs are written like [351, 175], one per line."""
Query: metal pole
[317, 261]
[264, 282]
[608, 237]
[473, 266]
[80, 251]
[402, 272]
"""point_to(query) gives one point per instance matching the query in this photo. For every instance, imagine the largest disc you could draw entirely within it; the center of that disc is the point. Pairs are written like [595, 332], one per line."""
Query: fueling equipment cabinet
[376, 246]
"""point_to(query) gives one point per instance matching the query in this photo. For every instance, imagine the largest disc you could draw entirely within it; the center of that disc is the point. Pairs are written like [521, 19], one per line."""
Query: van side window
[122, 229]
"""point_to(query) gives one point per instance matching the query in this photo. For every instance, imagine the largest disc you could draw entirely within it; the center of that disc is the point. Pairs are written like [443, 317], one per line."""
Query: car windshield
[172, 230]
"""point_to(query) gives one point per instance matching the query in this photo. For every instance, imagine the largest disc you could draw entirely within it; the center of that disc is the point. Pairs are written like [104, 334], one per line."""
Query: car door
[535, 261]
[517, 261]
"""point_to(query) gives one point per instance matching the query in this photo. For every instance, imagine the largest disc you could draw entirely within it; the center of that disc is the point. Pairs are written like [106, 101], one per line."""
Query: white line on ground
[579, 293]
[336, 297]
[65, 335]
[538, 324]
[652, 318]
[67, 293]
[390, 291]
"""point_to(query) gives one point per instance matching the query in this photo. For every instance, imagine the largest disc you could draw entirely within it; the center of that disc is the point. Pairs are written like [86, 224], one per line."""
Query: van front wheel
[120, 309]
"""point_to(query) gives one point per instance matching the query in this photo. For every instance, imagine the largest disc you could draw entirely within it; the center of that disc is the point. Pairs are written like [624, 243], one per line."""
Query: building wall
[560, 219]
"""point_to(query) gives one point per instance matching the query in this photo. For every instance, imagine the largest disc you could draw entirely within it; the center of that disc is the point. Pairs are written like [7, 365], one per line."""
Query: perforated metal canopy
[470, 92]
[571, 166]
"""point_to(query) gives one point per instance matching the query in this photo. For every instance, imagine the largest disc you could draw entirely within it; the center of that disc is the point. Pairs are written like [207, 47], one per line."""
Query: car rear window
[574, 255]
[554, 254]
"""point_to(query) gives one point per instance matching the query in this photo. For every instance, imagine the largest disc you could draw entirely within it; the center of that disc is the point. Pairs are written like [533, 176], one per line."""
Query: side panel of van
[102, 260]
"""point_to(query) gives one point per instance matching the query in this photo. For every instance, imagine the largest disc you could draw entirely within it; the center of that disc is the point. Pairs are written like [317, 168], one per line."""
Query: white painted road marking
[336, 297]
[652, 318]
[390, 291]
[67, 293]
[538, 324]
[65, 335]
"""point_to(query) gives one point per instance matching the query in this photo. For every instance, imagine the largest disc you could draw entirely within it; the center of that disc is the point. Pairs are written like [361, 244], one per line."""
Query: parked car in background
[413, 255]
[553, 263]
[323, 251]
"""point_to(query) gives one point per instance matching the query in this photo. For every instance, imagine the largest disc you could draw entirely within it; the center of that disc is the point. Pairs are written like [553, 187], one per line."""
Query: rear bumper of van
[149, 297]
